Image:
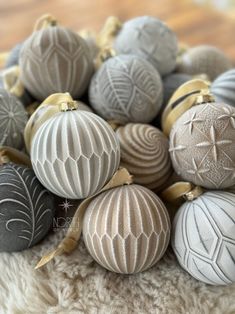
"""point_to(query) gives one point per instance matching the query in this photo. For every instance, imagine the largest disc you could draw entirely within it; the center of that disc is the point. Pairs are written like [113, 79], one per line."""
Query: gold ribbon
[69, 243]
[48, 108]
[189, 94]
[3, 58]
[9, 154]
[179, 190]
[44, 21]
[11, 81]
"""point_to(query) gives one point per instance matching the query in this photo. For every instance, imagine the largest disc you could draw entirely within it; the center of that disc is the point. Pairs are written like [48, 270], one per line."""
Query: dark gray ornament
[223, 88]
[13, 119]
[26, 208]
[13, 58]
[126, 88]
[150, 38]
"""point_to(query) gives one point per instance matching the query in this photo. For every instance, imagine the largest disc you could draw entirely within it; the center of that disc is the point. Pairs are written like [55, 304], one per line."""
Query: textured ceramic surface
[55, 59]
[223, 88]
[144, 153]
[13, 119]
[151, 39]
[126, 229]
[26, 208]
[13, 58]
[203, 237]
[75, 153]
[126, 89]
[204, 60]
[202, 145]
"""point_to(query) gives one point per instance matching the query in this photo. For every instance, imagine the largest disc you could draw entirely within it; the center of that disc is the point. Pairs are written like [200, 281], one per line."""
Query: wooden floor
[193, 24]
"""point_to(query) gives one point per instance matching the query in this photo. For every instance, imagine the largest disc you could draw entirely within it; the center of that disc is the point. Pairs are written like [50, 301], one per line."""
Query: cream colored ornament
[74, 153]
[144, 153]
[126, 229]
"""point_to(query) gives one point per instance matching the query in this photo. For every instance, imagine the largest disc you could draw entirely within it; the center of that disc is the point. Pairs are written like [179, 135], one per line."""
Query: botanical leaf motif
[32, 204]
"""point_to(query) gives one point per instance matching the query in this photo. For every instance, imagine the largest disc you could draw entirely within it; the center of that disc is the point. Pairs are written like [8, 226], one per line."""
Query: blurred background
[194, 21]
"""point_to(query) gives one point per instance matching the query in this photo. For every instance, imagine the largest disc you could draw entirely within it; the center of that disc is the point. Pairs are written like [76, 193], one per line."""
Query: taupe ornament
[144, 153]
[149, 38]
[13, 119]
[202, 145]
[13, 58]
[55, 59]
[26, 208]
[74, 153]
[126, 229]
[223, 88]
[126, 89]
[204, 59]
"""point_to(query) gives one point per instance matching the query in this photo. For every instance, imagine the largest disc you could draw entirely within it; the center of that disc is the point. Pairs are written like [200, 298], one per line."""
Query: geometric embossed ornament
[149, 38]
[126, 229]
[202, 145]
[144, 153]
[204, 59]
[74, 153]
[126, 88]
[203, 237]
[13, 119]
[223, 88]
[55, 59]
[26, 208]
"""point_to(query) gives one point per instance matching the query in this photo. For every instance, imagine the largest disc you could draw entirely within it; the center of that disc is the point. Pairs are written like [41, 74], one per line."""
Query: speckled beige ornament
[204, 59]
[144, 153]
[202, 145]
[126, 229]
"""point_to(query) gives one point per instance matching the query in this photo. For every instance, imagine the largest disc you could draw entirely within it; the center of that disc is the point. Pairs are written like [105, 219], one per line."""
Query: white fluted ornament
[203, 237]
[144, 153]
[126, 229]
[75, 153]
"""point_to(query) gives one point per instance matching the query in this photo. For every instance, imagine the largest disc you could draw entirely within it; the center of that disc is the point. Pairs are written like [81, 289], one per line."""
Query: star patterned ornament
[66, 205]
[202, 145]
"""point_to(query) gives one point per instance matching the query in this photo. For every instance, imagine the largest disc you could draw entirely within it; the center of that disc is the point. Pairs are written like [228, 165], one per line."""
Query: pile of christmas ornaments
[127, 122]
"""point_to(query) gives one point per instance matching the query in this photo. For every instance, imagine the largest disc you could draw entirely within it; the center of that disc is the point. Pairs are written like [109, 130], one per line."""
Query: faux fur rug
[76, 284]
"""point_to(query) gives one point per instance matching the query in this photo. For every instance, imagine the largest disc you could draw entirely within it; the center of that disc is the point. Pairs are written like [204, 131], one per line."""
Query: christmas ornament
[13, 119]
[13, 58]
[223, 88]
[204, 59]
[55, 59]
[26, 208]
[90, 38]
[126, 229]
[203, 237]
[126, 89]
[149, 38]
[75, 152]
[144, 153]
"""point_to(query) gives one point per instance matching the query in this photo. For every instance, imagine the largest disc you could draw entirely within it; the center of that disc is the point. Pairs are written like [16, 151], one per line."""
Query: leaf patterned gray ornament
[223, 88]
[26, 208]
[13, 119]
[126, 89]
[151, 39]
[55, 60]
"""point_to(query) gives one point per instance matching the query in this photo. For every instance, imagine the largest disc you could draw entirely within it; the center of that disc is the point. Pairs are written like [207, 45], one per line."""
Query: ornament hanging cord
[69, 243]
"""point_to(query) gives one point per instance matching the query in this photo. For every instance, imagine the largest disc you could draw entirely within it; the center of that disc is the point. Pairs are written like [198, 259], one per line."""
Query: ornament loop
[45, 21]
[204, 97]
[110, 29]
[11, 81]
[68, 106]
[196, 191]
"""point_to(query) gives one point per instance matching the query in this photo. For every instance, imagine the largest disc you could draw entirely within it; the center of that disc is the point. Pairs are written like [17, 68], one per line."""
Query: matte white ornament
[75, 153]
[126, 229]
[203, 237]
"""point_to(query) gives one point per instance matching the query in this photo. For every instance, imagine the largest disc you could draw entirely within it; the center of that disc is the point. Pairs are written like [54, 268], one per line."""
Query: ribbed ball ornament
[75, 153]
[126, 229]
[149, 38]
[144, 153]
[13, 119]
[203, 237]
[204, 59]
[26, 208]
[223, 88]
[202, 145]
[126, 89]
[55, 59]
